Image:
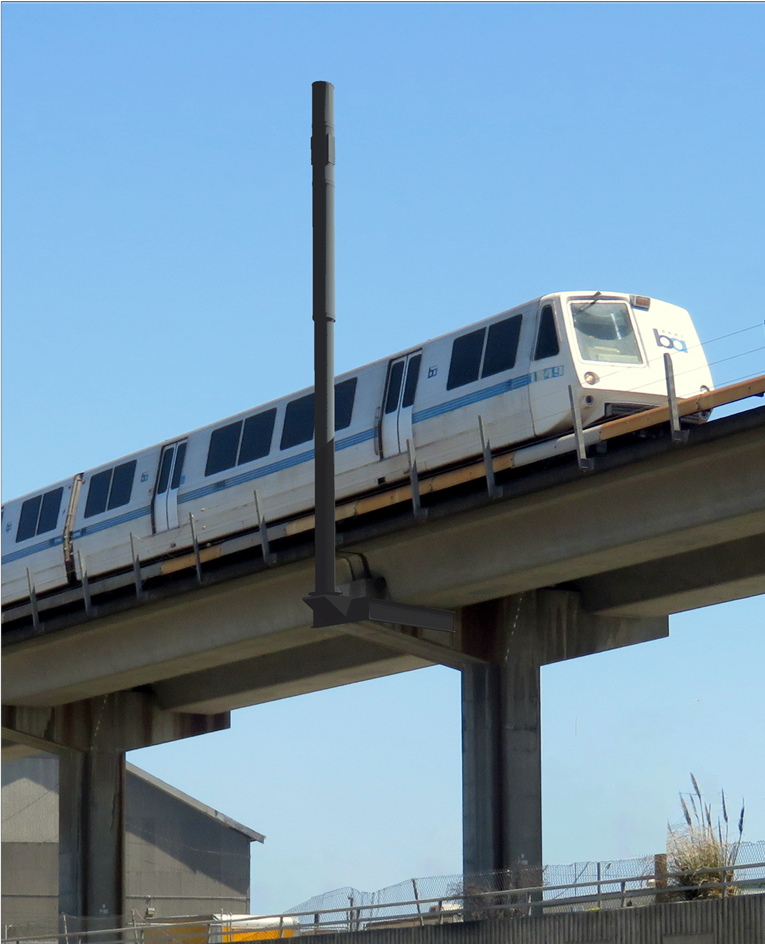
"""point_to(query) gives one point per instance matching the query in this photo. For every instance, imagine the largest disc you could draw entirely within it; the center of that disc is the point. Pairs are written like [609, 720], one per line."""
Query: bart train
[513, 370]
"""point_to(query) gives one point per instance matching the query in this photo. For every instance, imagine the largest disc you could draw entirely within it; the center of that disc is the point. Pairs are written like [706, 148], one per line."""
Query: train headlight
[591, 378]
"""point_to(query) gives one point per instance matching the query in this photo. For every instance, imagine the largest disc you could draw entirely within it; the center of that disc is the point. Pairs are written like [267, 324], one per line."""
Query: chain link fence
[445, 899]
[608, 884]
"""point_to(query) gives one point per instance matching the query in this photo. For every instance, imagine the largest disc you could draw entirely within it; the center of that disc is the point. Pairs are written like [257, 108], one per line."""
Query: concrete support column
[91, 836]
[502, 768]
[501, 737]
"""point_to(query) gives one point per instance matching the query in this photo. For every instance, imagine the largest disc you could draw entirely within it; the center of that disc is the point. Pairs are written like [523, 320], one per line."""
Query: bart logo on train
[672, 344]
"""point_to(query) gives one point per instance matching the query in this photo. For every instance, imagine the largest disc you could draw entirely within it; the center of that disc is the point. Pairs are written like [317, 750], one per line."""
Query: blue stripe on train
[277, 466]
[112, 522]
[495, 390]
[34, 549]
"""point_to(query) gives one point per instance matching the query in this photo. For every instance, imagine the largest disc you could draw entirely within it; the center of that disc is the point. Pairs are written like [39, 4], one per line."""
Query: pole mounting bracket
[334, 609]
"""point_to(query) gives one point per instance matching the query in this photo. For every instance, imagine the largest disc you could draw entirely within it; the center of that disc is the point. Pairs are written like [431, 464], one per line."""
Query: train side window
[224, 445]
[30, 512]
[466, 359]
[122, 485]
[547, 337]
[298, 422]
[299, 415]
[394, 386]
[164, 470]
[345, 394]
[180, 455]
[110, 488]
[257, 435]
[98, 493]
[51, 505]
[39, 514]
[412, 375]
[502, 346]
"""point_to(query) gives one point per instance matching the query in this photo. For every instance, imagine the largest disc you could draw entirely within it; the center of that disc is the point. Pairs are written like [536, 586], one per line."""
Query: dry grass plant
[702, 842]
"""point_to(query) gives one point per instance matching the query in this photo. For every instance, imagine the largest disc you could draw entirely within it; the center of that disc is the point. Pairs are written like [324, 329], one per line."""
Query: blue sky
[156, 277]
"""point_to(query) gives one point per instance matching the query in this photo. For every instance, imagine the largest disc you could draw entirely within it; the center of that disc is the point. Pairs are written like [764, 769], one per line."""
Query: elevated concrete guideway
[656, 529]
[556, 564]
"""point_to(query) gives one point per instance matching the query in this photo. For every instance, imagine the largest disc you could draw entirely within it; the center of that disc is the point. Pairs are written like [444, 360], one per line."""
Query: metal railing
[470, 904]
[515, 902]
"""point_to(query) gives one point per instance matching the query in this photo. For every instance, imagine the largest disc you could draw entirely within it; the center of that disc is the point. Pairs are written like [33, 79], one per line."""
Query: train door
[165, 504]
[550, 375]
[396, 422]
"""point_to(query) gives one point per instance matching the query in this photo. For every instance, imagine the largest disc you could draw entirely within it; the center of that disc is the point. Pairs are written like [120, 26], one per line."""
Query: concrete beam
[688, 499]
[117, 722]
[566, 629]
[313, 667]
[379, 650]
[15, 750]
[216, 625]
[729, 571]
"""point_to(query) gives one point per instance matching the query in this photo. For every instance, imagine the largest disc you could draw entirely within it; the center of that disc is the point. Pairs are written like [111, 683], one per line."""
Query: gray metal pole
[323, 161]
[331, 608]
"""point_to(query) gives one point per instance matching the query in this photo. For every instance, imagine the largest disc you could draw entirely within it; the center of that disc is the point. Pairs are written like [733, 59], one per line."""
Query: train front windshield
[605, 333]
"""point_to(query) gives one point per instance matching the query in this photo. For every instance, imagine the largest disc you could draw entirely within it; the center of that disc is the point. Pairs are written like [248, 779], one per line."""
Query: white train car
[513, 370]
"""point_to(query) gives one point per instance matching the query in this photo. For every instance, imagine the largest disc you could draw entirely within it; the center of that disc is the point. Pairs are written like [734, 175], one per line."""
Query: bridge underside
[562, 564]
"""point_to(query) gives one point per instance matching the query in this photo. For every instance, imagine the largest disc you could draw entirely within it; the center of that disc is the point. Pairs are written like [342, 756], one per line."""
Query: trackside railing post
[488, 461]
[679, 434]
[195, 545]
[136, 567]
[414, 481]
[265, 547]
[85, 585]
[33, 602]
[585, 464]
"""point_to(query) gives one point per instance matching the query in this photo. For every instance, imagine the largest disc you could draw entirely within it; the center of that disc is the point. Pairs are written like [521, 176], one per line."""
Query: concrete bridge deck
[656, 528]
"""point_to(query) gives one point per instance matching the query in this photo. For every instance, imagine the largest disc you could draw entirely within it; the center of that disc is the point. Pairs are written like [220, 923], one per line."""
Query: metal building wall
[185, 861]
[182, 858]
[30, 843]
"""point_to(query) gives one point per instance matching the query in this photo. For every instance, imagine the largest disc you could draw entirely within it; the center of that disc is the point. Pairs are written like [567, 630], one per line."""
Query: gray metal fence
[579, 886]
[523, 893]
